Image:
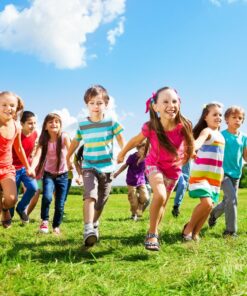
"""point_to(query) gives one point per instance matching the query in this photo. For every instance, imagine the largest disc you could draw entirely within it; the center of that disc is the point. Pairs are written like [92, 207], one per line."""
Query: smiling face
[214, 117]
[8, 106]
[167, 104]
[53, 126]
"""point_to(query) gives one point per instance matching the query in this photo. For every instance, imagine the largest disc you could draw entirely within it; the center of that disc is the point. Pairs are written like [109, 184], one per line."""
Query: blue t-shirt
[233, 157]
[98, 143]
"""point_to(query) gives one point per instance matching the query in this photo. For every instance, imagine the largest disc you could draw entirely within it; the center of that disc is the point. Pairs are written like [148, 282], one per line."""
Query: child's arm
[130, 145]
[204, 135]
[21, 154]
[120, 140]
[73, 145]
[36, 157]
[120, 170]
[245, 154]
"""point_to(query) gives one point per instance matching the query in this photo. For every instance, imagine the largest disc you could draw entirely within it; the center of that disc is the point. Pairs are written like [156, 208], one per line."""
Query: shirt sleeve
[78, 136]
[145, 130]
[117, 128]
[129, 160]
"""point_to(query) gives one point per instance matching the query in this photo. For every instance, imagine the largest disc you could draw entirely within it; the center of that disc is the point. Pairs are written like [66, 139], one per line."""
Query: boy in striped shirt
[97, 133]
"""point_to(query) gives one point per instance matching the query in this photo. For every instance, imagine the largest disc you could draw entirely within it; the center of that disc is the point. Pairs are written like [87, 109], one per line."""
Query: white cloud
[116, 32]
[56, 30]
[220, 2]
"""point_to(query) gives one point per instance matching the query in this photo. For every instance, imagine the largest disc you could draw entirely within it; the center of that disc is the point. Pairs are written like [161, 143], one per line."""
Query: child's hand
[79, 180]
[31, 172]
[120, 158]
[70, 164]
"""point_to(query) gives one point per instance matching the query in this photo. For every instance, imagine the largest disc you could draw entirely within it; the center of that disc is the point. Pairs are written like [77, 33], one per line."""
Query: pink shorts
[7, 172]
[170, 184]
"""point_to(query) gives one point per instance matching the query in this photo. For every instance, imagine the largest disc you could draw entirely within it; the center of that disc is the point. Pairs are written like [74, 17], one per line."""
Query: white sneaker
[43, 228]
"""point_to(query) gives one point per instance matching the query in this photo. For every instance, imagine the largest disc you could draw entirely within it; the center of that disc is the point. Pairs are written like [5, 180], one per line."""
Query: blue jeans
[30, 185]
[59, 185]
[182, 184]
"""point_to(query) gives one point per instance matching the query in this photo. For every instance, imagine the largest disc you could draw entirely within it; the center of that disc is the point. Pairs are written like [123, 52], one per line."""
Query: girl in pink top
[171, 145]
[10, 106]
[50, 159]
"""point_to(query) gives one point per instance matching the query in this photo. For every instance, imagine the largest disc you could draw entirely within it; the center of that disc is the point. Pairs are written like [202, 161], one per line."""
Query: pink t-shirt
[158, 156]
[51, 158]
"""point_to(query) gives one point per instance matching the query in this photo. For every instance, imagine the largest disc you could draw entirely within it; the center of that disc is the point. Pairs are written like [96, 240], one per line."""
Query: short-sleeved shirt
[28, 144]
[159, 156]
[135, 173]
[98, 143]
[233, 157]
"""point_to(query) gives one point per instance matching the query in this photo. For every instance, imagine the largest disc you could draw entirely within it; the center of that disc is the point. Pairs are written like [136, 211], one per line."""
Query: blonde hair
[20, 103]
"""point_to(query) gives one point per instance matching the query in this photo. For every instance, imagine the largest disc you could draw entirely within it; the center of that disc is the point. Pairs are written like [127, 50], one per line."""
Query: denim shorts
[170, 184]
[97, 186]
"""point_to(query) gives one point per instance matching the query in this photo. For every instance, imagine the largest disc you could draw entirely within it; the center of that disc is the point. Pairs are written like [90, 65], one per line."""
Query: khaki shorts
[97, 186]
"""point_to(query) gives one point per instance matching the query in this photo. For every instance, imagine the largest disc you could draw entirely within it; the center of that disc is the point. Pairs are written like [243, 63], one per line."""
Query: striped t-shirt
[98, 143]
[206, 171]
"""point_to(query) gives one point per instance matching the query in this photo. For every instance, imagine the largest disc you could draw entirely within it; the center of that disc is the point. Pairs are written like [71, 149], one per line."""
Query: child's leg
[8, 199]
[61, 185]
[199, 216]
[9, 192]
[33, 202]
[143, 197]
[48, 188]
[133, 200]
[156, 181]
[230, 188]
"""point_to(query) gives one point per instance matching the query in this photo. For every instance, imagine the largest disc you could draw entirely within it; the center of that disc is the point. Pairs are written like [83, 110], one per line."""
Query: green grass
[35, 264]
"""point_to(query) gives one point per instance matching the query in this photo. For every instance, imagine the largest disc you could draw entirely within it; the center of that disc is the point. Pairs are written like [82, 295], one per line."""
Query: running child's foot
[56, 231]
[134, 217]
[23, 216]
[175, 211]
[43, 228]
[90, 237]
[211, 221]
[6, 218]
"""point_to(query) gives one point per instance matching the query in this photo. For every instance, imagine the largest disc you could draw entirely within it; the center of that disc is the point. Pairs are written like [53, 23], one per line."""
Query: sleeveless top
[6, 158]
[206, 170]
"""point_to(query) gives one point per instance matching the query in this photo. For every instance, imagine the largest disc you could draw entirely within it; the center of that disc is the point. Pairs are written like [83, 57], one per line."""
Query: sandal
[6, 223]
[152, 246]
[186, 237]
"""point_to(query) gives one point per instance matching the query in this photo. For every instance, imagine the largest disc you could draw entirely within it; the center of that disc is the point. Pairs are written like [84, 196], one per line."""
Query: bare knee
[9, 201]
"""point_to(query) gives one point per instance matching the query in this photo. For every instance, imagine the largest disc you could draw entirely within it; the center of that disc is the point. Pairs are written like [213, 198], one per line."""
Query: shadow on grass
[69, 252]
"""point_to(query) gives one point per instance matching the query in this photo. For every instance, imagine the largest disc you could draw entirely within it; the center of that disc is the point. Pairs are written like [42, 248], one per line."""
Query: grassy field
[36, 264]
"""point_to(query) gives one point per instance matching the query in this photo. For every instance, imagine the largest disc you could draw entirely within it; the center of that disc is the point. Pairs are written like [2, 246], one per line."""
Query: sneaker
[211, 221]
[96, 229]
[90, 238]
[227, 233]
[175, 211]
[134, 217]
[24, 217]
[43, 228]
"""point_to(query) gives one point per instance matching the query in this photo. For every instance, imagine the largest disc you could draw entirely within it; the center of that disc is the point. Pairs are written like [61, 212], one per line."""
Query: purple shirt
[135, 174]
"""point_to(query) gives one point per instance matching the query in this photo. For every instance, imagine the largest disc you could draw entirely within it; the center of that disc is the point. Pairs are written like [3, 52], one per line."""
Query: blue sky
[51, 51]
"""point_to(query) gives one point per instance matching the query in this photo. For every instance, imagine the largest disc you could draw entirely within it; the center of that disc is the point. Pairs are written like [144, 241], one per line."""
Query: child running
[10, 106]
[28, 140]
[235, 152]
[97, 132]
[206, 171]
[171, 141]
[50, 159]
[137, 191]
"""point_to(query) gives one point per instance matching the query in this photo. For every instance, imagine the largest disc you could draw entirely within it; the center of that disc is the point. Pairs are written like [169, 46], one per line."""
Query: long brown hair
[163, 139]
[201, 124]
[44, 139]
